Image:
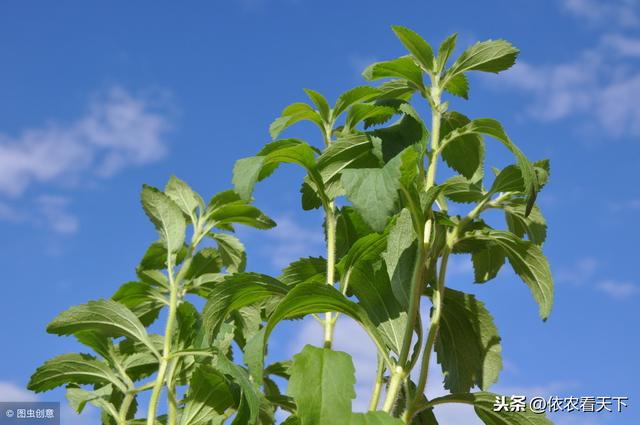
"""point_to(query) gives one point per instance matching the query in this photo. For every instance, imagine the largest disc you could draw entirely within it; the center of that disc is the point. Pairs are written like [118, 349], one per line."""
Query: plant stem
[329, 321]
[168, 336]
[438, 298]
[397, 376]
[377, 386]
[124, 408]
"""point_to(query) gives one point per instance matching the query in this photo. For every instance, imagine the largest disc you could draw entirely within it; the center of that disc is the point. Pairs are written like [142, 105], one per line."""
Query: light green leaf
[166, 216]
[184, 197]
[353, 96]
[403, 67]
[311, 269]
[400, 256]
[107, 316]
[236, 291]
[458, 85]
[232, 251]
[488, 56]
[245, 175]
[321, 103]
[143, 299]
[374, 192]
[484, 403]
[374, 418]
[250, 404]
[292, 114]
[533, 225]
[321, 383]
[367, 248]
[468, 345]
[444, 52]
[527, 261]
[78, 398]
[72, 368]
[419, 49]
[459, 189]
[207, 399]
[240, 213]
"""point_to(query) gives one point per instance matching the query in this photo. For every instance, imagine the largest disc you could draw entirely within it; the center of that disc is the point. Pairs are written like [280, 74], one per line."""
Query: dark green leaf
[487, 262]
[403, 67]
[354, 96]
[207, 399]
[311, 269]
[464, 153]
[400, 256]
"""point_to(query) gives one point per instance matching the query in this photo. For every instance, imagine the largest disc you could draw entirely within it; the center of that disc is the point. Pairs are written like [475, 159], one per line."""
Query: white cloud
[12, 392]
[617, 289]
[622, 13]
[118, 130]
[579, 273]
[55, 214]
[618, 206]
[290, 241]
[600, 85]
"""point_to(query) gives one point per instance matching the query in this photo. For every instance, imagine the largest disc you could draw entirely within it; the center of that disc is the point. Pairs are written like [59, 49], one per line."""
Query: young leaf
[458, 85]
[208, 397]
[107, 316]
[403, 67]
[527, 261]
[321, 383]
[444, 52]
[166, 216]
[419, 49]
[292, 114]
[488, 56]
[321, 103]
[354, 96]
[484, 402]
[73, 369]
[468, 344]
[184, 197]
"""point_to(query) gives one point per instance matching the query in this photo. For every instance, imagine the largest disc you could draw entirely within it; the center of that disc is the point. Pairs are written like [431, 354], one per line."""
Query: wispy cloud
[622, 13]
[601, 85]
[579, 273]
[290, 240]
[618, 290]
[12, 392]
[118, 130]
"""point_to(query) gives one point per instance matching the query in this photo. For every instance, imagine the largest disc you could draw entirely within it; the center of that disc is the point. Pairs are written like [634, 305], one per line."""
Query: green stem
[124, 408]
[377, 386]
[397, 376]
[168, 336]
[329, 320]
[438, 298]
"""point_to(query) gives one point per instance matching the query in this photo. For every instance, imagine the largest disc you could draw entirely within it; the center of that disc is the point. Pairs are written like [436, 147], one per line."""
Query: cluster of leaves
[389, 236]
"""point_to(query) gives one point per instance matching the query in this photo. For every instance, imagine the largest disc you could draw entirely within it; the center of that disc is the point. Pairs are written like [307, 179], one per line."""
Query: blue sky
[97, 100]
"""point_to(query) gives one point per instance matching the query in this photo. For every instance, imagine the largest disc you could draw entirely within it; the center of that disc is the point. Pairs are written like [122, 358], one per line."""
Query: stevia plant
[389, 237]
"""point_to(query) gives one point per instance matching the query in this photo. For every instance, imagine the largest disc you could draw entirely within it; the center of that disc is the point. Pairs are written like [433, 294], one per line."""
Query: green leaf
[321, 103]
[400, 256]
[311, 269]
[459, 189]
[245, 175]
[458, 85]
[321, 383]
[250, 404]
[236, 291]
[527, 261]
[487, 262]
[232, 251]
[370, 284]
[184, 197]
[207, 399]
[493, 128]
[107, 316]
[78, 398]
[444, 52]
[419, 49]
[403, 67]
[352, 97]
[468, 345]
[374, 418]
[292, 114]
[533, 225]
[100, 343]
[166, 216]
[207, 260]
[144, 300]
[240, 213]
[464, 153]
[367, 248]
[350, 227]
[508, 180]
[488, 56]
[484, 402]
[374, 192]
[72, 368]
